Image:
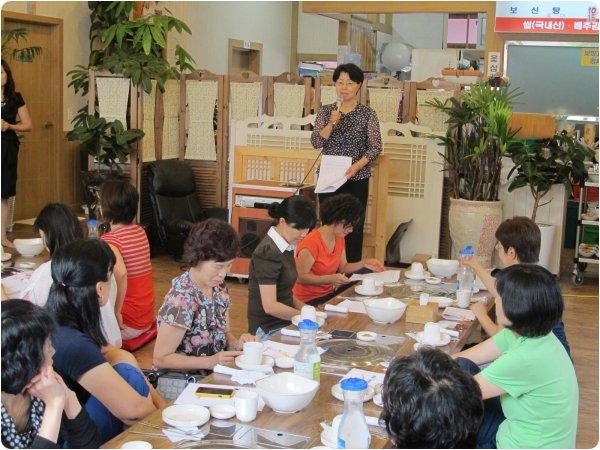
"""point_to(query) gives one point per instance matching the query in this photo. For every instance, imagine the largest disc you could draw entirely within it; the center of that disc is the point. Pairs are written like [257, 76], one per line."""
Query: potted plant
[477, 138]
[125, 42]
[541, 164]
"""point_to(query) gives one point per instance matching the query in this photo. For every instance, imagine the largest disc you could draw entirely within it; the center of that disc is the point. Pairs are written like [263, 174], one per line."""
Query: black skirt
[10, 152]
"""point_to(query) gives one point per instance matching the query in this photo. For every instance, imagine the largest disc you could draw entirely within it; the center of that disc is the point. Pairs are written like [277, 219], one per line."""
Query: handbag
[170, 384]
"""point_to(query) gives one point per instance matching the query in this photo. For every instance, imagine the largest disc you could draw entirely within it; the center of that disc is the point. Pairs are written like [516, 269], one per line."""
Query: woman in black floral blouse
[349, 128]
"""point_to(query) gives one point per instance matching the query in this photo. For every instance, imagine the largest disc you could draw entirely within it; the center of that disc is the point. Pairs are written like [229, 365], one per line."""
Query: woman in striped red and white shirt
[134, 306]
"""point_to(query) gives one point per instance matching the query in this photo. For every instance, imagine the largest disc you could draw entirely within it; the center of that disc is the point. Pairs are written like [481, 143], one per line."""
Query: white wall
[421, 30]
[76, 25]
[317, 34]
[213, 23]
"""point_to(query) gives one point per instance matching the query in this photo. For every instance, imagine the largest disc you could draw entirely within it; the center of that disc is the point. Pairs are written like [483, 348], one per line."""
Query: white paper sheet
[353, 306]
[372, 378]
[277, 349]
[332, 173]
[387, 276]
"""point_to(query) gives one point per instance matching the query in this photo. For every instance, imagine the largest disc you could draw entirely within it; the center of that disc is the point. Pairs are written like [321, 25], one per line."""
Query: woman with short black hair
[349, 128]
[193, 332]
[38, 410]
[321, 256]
[80, 272]
[530, 372]
[271, 304]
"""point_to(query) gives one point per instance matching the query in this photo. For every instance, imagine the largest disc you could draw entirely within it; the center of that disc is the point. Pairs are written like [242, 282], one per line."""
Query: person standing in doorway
[15, 118]
[349, 128]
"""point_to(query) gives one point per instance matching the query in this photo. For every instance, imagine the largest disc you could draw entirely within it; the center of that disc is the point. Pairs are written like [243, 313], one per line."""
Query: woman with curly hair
[193, 322]
[321, 258]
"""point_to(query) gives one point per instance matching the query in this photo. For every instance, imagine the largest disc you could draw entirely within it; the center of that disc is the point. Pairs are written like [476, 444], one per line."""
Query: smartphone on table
[204, 391]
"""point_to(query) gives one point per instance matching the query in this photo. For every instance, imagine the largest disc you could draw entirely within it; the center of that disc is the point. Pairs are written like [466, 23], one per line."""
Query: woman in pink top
[134, 306]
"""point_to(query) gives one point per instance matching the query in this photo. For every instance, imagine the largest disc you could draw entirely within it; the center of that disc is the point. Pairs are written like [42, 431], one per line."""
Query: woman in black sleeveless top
[15, 118]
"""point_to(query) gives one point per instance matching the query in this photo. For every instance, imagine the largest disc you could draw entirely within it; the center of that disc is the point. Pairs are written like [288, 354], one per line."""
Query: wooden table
[324, 406]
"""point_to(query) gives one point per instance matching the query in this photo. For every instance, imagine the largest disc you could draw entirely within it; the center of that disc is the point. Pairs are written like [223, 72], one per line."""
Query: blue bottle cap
[92, 222]
[308, 325]
[468, 250]
[353, 384]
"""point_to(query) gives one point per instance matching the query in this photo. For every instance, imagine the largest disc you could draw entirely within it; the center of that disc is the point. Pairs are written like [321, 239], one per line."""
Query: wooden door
[40, 83]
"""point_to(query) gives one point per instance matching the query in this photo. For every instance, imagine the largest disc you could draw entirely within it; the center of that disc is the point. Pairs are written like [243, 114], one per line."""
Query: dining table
[324, 407]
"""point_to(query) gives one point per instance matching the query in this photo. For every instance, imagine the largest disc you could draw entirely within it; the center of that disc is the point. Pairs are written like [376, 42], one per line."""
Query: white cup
[246, 405]
[463, 298]
[368, 284]
[308, 313]
[137, 444]
[416, 268]
[253, 352]
[431, 333]
[423, 299]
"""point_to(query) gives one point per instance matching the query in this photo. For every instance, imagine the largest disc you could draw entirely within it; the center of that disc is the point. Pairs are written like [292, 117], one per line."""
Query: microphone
[338, 103]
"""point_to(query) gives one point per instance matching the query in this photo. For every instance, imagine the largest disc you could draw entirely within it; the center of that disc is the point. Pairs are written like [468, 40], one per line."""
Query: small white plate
[433, 280]
[222, 411]
[366, 336]
[408, 274]
[442, 302]
[6, 256]
[336, 391]
[185, 416]
[321, 318]
[378, 400]
[444, 340]
[265, 366]
[361, 291]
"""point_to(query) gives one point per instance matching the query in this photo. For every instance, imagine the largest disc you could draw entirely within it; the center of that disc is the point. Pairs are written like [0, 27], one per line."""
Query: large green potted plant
[539, 165]
[477, 138]
[122, 41]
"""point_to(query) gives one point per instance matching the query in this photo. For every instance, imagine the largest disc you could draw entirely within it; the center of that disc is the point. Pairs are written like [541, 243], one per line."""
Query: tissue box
[416, 313]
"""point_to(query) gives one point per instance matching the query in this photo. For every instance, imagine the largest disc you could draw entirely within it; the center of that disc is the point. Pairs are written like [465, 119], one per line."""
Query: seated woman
[134, 306]
[271, 304]
[38, 410]
[112, 394]
[58, 226]
[530, 372]
[193, 321]
[321, 256]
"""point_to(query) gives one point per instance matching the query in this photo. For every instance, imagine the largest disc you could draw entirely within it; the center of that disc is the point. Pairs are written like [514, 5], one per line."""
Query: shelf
[588, 260]
[590, 222]
[590, 184]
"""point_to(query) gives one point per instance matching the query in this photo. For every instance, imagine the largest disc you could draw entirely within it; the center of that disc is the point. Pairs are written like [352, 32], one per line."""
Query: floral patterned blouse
[204, 319]
[356, 135]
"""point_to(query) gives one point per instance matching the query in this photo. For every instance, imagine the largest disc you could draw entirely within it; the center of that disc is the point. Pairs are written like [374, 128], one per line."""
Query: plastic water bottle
[465, 276]
[93, 228]
[307, 362]
[353, 431]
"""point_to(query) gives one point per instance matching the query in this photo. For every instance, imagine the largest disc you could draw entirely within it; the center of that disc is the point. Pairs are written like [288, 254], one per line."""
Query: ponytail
[297, 211]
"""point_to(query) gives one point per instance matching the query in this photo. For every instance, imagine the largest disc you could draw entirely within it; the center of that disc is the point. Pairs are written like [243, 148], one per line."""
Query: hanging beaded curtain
[170, 141]
[288, 99]
[328, 95]
[201, 100]
[429, 116]
[148, 147]
[113, 95]
[386, 103]
[245, 100]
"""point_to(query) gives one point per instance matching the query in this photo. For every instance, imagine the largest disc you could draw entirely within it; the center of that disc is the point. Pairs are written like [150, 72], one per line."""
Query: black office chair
[175, 204]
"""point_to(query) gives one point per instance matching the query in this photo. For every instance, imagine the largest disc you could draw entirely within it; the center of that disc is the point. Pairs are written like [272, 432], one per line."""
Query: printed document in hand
[332, 173]
[387, 276]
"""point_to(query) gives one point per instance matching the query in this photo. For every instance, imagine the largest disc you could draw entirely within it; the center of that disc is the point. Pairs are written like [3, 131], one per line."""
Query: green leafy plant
[540, 164]
[11, 40]
[477, 138]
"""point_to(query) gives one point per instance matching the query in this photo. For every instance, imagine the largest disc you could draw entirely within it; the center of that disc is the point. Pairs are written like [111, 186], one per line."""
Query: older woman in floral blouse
[349, 128]
[193, 321]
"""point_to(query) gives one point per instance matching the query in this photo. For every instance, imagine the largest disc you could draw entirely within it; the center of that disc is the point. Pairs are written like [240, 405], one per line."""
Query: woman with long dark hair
[34, 397]
[111, 394]
[15, 118]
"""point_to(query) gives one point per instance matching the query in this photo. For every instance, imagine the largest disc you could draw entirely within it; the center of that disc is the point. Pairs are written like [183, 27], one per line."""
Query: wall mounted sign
[589, 57]
[547, 17]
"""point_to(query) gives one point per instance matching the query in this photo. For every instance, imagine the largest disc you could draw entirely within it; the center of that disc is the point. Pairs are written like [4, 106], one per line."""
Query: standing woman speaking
[15, 118]
[349, 128]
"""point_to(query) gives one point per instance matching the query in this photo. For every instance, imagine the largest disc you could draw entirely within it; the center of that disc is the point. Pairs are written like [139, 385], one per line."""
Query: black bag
[170, 384]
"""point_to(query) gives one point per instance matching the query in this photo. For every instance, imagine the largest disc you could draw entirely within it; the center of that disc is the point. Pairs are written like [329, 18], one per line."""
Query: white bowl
[287, 392]
[443, 268]
[29, 247]
[384, 310]
[185, 416]
[222, 411]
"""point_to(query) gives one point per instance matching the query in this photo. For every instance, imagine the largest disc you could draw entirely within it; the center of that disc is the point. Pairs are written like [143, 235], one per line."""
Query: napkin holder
[415, 313]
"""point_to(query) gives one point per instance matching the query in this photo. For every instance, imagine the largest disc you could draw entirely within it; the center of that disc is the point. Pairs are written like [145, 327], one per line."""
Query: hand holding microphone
[335, 113]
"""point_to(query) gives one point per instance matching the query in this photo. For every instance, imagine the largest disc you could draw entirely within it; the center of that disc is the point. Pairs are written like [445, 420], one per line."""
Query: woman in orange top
[321, 256]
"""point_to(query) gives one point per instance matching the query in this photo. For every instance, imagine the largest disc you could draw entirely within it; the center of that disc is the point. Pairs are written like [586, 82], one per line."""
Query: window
[462, 30]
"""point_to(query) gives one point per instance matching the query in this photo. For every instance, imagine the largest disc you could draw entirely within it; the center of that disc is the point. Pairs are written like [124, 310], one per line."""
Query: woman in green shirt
[530, 371]
[271, 304]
